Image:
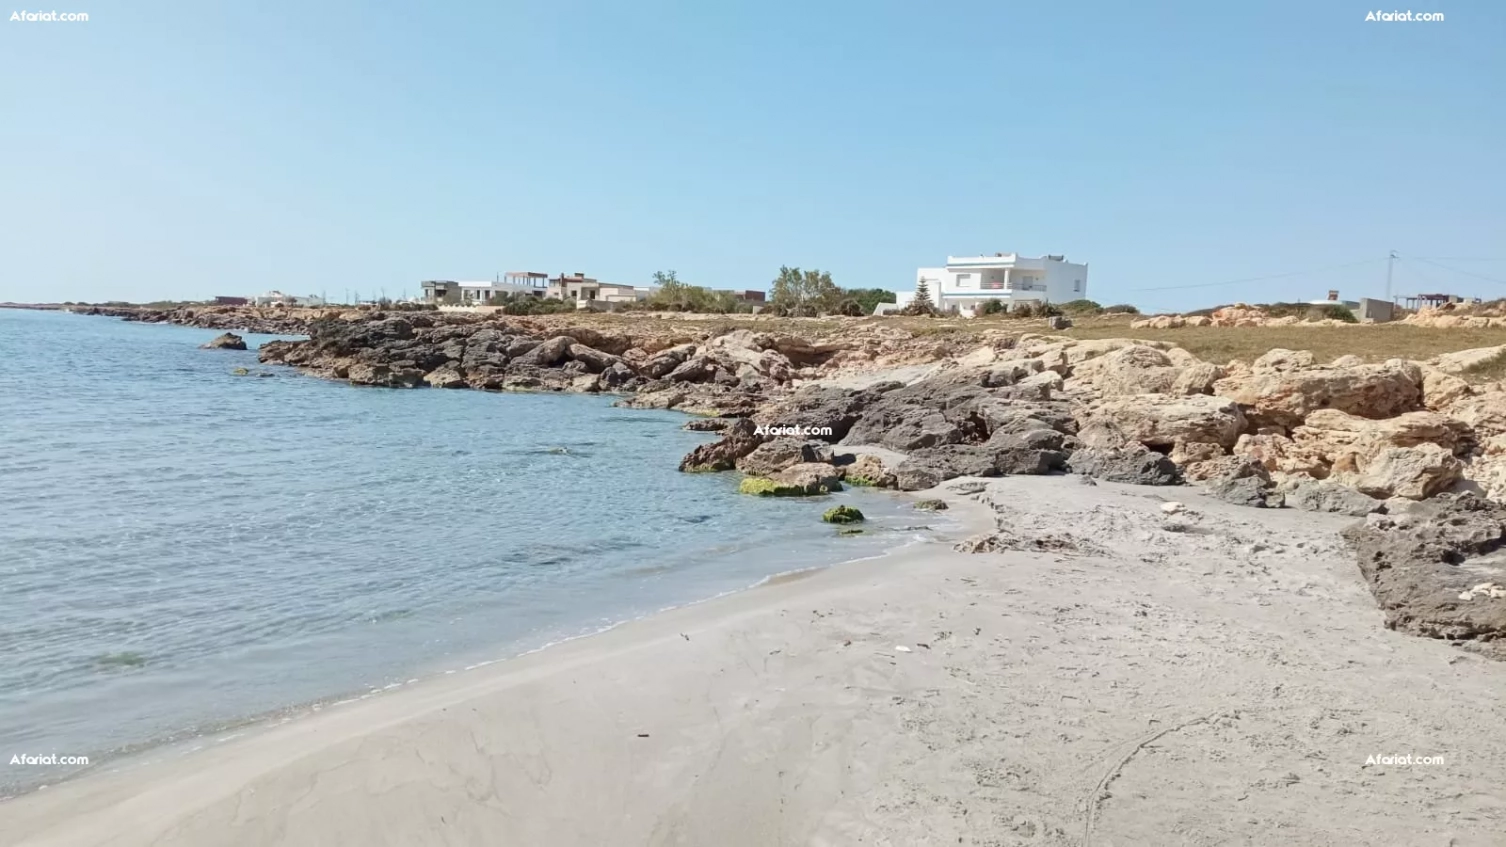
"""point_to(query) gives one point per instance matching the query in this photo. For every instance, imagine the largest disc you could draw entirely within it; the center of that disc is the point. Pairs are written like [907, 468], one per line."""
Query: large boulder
[777, 454]
[1002, 458]
[1415, 473]
[1282, 388]
[445, 376]
[1132, 464]
[595, 360]
[1316, 495]
[1157, 420]
[1278, 453]
[745, 348]
[1425, 567]
[1464, 361]
[1136, 369]
[867, 469]
[1441, 390]
[1345, 440]
[549, 353]
[662, 363]
[1410, 455]
[1244, 483]
[386, 376]
[736, 442]
[810, 477]
[228, 341]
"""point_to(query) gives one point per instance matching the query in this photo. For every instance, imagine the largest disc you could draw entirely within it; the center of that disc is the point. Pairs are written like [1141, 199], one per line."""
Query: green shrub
[1081, 307]
[1336, 313]
[991, 306]
[1121, 309]
[1034, 309]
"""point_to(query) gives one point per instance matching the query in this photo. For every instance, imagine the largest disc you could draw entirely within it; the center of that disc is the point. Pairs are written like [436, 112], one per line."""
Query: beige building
[585, 290]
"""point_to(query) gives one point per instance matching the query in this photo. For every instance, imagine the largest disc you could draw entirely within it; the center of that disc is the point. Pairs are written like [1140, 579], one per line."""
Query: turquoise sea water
[182, 548]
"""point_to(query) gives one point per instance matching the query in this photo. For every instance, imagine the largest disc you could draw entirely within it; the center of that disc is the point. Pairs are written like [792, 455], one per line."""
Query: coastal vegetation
[761, 486]
[843, 514]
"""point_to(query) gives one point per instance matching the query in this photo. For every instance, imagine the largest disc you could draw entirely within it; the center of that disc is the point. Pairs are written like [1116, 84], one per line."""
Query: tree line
[794, 293]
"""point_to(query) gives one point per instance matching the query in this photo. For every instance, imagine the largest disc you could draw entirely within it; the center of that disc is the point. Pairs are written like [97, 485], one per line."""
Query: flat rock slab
[1437, 569]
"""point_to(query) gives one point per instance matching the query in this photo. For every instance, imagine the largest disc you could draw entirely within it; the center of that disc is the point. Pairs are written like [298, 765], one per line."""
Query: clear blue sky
[181, 150]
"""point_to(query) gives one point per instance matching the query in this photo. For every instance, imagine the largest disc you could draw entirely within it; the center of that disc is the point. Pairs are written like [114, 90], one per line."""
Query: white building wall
[1066, 281]
[967, 281]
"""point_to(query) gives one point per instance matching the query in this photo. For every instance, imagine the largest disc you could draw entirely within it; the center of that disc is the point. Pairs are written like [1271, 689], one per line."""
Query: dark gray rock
[1135, 465]
[228, 341]
[1314, 495]
[1245, 483]
[736, 442]
[549, 353]
[1428, 569]
[911, 476]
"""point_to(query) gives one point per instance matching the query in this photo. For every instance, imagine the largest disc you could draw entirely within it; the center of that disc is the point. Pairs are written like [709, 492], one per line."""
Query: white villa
[277, 298]
[1010, 278]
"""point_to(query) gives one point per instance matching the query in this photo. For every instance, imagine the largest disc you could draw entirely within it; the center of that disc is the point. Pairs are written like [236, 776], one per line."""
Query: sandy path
[1219, 685]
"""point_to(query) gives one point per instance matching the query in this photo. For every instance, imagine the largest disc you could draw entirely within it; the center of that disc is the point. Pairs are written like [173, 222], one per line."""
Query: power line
[1412, 268]
[1466, 273]
[1457, 259]
[1261, 278]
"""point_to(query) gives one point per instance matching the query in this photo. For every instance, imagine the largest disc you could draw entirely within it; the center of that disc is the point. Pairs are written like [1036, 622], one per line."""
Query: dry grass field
[1220, 345]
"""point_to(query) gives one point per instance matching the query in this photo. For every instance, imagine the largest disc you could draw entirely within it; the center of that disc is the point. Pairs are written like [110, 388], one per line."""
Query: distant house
[231, 301]
[969, 281]
[446, 291]
[277, 298]
[745, 296]
[584, 290]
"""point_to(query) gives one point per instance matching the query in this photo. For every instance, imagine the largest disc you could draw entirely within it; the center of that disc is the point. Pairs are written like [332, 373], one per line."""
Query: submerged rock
[842, 514]
[760, 486]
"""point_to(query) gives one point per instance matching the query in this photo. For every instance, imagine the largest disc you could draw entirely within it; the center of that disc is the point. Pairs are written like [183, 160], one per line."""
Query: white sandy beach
[1222, 684]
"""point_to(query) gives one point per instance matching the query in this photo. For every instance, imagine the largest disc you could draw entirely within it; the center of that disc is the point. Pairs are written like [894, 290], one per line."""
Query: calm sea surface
[182, 548]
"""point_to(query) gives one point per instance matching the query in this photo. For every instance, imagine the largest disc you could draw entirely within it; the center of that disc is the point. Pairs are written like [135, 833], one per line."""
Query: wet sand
[1215, 677]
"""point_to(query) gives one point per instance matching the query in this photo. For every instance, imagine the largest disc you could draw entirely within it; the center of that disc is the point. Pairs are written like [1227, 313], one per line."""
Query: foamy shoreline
[185, 742]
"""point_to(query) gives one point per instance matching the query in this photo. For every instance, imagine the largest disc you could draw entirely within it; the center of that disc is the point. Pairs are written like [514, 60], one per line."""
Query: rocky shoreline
[875, 404]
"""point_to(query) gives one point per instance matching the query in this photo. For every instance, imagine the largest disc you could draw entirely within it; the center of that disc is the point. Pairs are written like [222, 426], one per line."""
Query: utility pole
[1390, 261]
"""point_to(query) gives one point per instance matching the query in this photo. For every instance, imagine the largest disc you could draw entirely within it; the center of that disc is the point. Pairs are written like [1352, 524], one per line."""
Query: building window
[1077, 285]
[964, 280]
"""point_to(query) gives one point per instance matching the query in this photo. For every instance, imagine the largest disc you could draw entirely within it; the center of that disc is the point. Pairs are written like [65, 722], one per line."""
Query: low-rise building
[585, 290]
[479, 293]
[968, 281]
[749, 296]
[277, 298]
